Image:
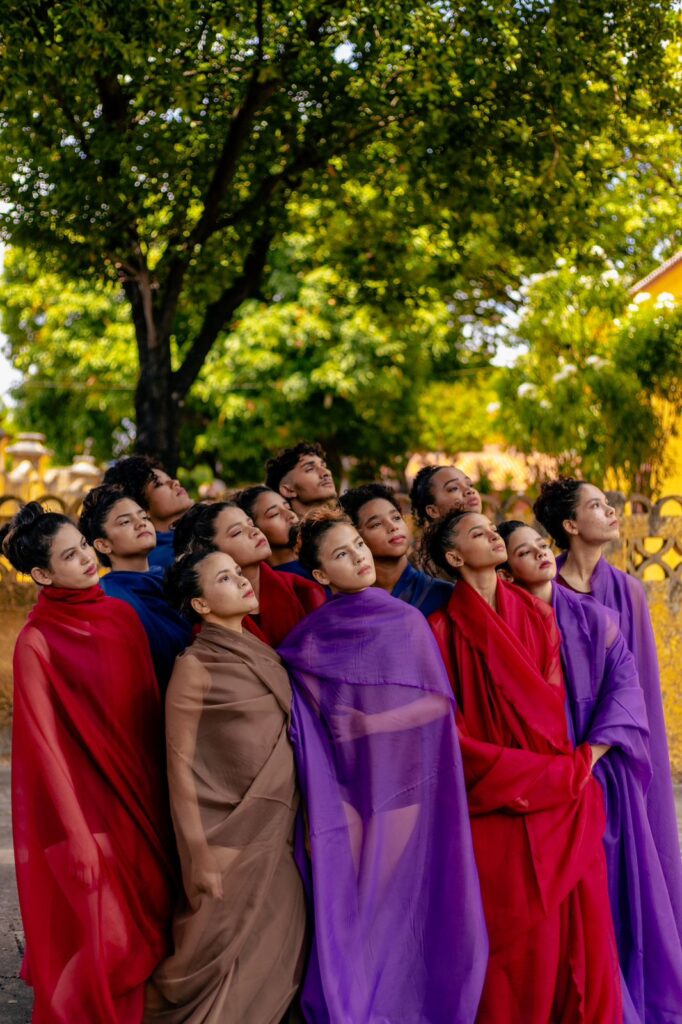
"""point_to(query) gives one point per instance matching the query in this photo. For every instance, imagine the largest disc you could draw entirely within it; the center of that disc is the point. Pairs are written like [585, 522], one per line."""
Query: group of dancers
[276, 765]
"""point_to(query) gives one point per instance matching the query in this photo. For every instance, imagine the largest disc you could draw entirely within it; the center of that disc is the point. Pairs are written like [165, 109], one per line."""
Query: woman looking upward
[537, 814]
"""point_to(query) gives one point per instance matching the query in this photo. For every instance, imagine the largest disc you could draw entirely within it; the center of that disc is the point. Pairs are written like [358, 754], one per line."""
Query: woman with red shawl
[89, 807]
[283, 599]
[537, 814]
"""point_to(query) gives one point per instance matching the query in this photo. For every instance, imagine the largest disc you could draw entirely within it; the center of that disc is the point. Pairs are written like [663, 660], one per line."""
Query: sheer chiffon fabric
[90, 813]
[606, 704]
[399, 932]
[626, 596]
[239, 928]
[284, 600]
[537, 815]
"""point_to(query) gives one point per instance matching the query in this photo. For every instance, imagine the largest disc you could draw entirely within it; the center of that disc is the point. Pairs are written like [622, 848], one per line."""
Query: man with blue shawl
[398, 921]
[121, 532]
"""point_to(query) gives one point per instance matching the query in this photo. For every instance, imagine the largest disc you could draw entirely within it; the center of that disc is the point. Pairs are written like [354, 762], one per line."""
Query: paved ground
[15, 997]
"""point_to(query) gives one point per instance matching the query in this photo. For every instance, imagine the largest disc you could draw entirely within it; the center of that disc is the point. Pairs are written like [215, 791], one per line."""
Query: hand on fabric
[207, 876]
[83, 860]
[598, 751]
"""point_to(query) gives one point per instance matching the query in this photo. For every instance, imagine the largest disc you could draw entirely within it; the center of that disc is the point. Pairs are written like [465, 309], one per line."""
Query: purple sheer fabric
[399, 928]
[606, 705]
[626, 596]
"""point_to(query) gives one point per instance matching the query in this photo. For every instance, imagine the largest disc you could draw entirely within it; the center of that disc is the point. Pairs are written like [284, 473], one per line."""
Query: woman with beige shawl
[239, 928]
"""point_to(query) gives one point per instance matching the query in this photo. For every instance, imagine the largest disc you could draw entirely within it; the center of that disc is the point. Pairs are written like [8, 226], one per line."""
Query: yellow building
[666, 279]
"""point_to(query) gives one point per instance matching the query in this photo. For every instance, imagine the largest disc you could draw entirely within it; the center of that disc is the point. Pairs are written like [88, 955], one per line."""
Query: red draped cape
[89, 808]
[284, 600]
[537, 815]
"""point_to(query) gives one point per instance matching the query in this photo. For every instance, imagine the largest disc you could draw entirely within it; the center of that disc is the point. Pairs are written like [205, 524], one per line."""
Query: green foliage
[174, 153]
[599, 387]
[74, 343]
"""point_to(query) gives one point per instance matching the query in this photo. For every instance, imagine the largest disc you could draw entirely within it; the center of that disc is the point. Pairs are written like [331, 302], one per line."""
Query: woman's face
[236, 535]
[166, 497]
[383, 529]
[275, 517]
[72, 564]
[476, 544]
[530, 557]
[346, 563]
[225, 593]
[452, 491]
[129, 531]
[595, 521]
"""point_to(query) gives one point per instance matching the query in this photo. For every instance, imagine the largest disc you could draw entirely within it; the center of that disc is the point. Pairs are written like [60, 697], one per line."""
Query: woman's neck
[484, 582]
[233, 623]
[389, 571]
[280, 556]
[543, 590]
[581, 561]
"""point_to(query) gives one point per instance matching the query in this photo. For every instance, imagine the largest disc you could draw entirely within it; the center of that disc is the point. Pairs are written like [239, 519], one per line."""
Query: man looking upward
[301, 475]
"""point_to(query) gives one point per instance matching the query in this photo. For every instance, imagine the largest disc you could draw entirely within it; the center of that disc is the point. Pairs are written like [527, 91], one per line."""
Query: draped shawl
[284, 599]
[537, 815]
[163, 554]
[424, 592]
[399, 933]
[238, 947]
[606, 704]
[168, 632]
[627, 597]
[87, 775]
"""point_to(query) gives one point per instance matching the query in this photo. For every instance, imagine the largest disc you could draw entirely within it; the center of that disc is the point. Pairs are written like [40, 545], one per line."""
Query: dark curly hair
[26, 541]
[311, 531]
[196, 527]
[507, 529]
[285, 460]
[421, 493]
[97, 504]
[438, 538]
[133, 474]
[558, 501]
[353, 499]
[181, 582]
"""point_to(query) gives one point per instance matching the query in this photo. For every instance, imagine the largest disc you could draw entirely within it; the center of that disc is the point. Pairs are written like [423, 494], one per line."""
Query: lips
[250, 592]
[397, 540]
[92, 571]
[262, 542]
[365, 569]
[473, 502]
[545, 565]
[499, 547]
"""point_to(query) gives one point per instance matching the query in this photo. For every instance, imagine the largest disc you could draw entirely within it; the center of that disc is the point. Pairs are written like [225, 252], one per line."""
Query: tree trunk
[157, 407]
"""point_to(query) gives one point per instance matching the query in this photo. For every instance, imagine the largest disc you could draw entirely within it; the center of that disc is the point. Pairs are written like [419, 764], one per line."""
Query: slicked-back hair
[421, 493]
[196, 527]
[353, 499]
[438, 538]
[26, 541]
[97, 505]
[277, 467]
[558, 501]
[181, 582]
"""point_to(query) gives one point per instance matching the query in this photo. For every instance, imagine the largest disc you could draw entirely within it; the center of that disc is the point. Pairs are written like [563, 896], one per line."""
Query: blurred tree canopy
[274, 220]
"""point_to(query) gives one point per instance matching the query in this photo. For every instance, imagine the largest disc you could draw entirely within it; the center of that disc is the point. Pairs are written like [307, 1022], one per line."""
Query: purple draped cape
[608, 706]
[399, 928]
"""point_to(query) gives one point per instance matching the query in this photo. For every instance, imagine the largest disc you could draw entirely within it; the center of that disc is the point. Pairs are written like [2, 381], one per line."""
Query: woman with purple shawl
[399, 929]
[607, 709]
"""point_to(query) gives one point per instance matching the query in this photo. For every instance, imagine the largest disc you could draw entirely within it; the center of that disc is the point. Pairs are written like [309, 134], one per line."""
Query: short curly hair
[353, 500]
[277, 467]
[558, 501]
[133, 474]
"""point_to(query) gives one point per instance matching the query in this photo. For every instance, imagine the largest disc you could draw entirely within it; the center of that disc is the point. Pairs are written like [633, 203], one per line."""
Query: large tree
[167, 148]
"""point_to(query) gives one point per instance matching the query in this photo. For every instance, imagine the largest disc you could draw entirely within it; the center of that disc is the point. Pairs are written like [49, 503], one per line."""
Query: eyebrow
[67, 551]
[270, 507]
[220, 572]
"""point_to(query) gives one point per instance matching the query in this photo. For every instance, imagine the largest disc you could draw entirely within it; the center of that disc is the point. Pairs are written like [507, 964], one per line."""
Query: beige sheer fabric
[239, 931]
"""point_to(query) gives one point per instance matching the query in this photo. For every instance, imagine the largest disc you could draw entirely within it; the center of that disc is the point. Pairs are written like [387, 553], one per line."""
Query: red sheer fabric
[537, 815]
[90, 812]
[284, 600]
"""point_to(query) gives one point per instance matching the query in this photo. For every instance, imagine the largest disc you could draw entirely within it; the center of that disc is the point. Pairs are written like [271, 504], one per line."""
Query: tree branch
[219, 312]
